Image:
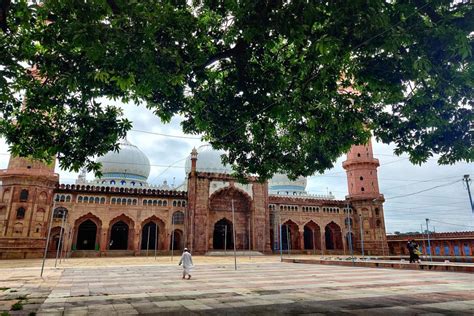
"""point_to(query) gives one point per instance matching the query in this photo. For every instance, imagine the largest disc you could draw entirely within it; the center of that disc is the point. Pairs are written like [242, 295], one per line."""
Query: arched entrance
[290, 236]
[312, 236]
[333, 236]
[177, 240]
[350, 240]
[86, 235]
[119, 236]
[223, 235]
[150, 232]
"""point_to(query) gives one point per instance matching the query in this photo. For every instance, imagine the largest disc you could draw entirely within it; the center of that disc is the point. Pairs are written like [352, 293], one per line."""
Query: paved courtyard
[259, 286]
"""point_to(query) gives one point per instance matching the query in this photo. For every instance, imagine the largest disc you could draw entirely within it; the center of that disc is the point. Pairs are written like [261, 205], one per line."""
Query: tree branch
[4, 7]
[113, 6]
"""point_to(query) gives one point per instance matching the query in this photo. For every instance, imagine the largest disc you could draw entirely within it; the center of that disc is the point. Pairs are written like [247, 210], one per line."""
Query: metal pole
[172, 238]
[156, 238]
[422, 235]
[49, 235]
[350, 234]
[428, 234]
[288, 240]
[148, 241]
[466, 178]
[249, 241]
[225, 239]
[361, 234]
[233, 234]
[60, 238]
[280, 237]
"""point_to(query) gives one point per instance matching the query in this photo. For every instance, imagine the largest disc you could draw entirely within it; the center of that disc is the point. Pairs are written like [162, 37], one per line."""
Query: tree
[282, 85]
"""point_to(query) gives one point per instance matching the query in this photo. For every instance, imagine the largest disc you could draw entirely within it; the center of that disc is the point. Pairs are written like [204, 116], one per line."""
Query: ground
[261, 285]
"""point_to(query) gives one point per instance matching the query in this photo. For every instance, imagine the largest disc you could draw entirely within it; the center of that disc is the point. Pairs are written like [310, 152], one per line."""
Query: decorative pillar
[323, 241]
[301, 239]
[103, 241]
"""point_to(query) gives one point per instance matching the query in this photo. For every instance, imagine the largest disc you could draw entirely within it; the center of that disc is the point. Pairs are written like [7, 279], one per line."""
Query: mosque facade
[121, 214]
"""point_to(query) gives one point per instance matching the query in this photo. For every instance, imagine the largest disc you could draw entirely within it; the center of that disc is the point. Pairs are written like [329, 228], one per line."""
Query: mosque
[122, 214]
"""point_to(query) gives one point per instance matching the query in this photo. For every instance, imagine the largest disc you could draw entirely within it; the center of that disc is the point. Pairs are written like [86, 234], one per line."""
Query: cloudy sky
[447, 206]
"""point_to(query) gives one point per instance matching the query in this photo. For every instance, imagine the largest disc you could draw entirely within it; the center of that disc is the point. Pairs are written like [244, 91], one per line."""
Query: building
[459, 244]
[121, 214]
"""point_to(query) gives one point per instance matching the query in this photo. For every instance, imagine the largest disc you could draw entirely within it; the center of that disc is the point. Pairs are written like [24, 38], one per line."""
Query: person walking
[187, 262]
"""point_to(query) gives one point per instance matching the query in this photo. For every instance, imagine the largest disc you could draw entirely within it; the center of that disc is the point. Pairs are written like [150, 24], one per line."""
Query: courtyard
[261, 285]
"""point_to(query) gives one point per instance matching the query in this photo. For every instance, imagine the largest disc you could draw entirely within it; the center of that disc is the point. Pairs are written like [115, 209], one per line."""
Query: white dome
[280, 184]
[129, 163]
[208, 160]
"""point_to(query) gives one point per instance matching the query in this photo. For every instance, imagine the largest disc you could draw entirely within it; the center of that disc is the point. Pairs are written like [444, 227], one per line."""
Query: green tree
[282, 85]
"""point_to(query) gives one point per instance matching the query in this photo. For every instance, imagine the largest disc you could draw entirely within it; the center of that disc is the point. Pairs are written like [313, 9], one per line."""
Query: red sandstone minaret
[361, 168]
[26, 195]
[365, 199]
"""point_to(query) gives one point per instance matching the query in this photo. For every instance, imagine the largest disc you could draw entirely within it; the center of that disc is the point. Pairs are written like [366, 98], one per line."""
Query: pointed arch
[290, 235]
[84, 237]
[222, 237]
[333, 236]
[121, 232]
[153, 233]
[312, 236]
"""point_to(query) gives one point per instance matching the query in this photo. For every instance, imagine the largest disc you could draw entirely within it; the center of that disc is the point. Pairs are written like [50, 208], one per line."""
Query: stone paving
[259, 286]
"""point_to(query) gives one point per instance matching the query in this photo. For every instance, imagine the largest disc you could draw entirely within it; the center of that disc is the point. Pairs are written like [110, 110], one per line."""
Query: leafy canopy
[282, 85]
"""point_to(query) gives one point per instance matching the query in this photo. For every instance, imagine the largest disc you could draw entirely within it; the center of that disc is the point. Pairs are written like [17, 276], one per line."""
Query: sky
[445, 201]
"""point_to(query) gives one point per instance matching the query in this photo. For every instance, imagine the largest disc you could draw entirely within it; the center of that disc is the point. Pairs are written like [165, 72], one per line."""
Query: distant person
[187, 262]
[416, 252]
[411, 250]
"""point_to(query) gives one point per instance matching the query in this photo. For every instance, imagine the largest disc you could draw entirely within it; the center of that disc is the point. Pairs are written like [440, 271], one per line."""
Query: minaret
[361, 169]
[365, 198]
[26, 196]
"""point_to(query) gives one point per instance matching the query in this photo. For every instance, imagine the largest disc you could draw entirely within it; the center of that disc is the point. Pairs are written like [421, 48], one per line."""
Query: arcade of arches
[214, 212]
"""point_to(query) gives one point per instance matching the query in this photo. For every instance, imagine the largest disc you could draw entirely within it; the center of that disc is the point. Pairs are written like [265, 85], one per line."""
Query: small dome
[129, 163]
[280, 184]
[208, 160]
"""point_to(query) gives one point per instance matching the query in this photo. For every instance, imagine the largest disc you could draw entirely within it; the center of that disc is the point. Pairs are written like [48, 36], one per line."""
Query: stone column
[301, 239]
[103, 240]
[135, 239]
[323, 241]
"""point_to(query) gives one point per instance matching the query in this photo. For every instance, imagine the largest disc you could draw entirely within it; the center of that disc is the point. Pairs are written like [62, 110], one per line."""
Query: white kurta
[187, 262]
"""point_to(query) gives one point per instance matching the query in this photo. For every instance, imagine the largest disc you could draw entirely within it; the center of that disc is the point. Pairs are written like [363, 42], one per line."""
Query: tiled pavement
[258, 288]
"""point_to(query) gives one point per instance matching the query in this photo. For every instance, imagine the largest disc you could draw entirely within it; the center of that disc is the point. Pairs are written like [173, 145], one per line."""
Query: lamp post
[350, 233]
[428, 234]
[361, 233]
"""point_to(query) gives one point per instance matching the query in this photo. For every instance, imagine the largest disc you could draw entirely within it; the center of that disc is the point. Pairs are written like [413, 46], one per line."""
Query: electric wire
[429, 189]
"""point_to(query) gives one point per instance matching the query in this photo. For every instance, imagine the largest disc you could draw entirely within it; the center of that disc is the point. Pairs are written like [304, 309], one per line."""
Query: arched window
[377, 212]
[178, 217]
[160, 203]
[134, 202]
[112, 181]
[174, 203]
[97, 200]
[68, 198]
[20, 213]
[378, 223]
[86, 199]
[102, 200]
[79, 199]
[24, 195]
[145, 202]
[165, 203]
[155, 202]
[113, 201]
